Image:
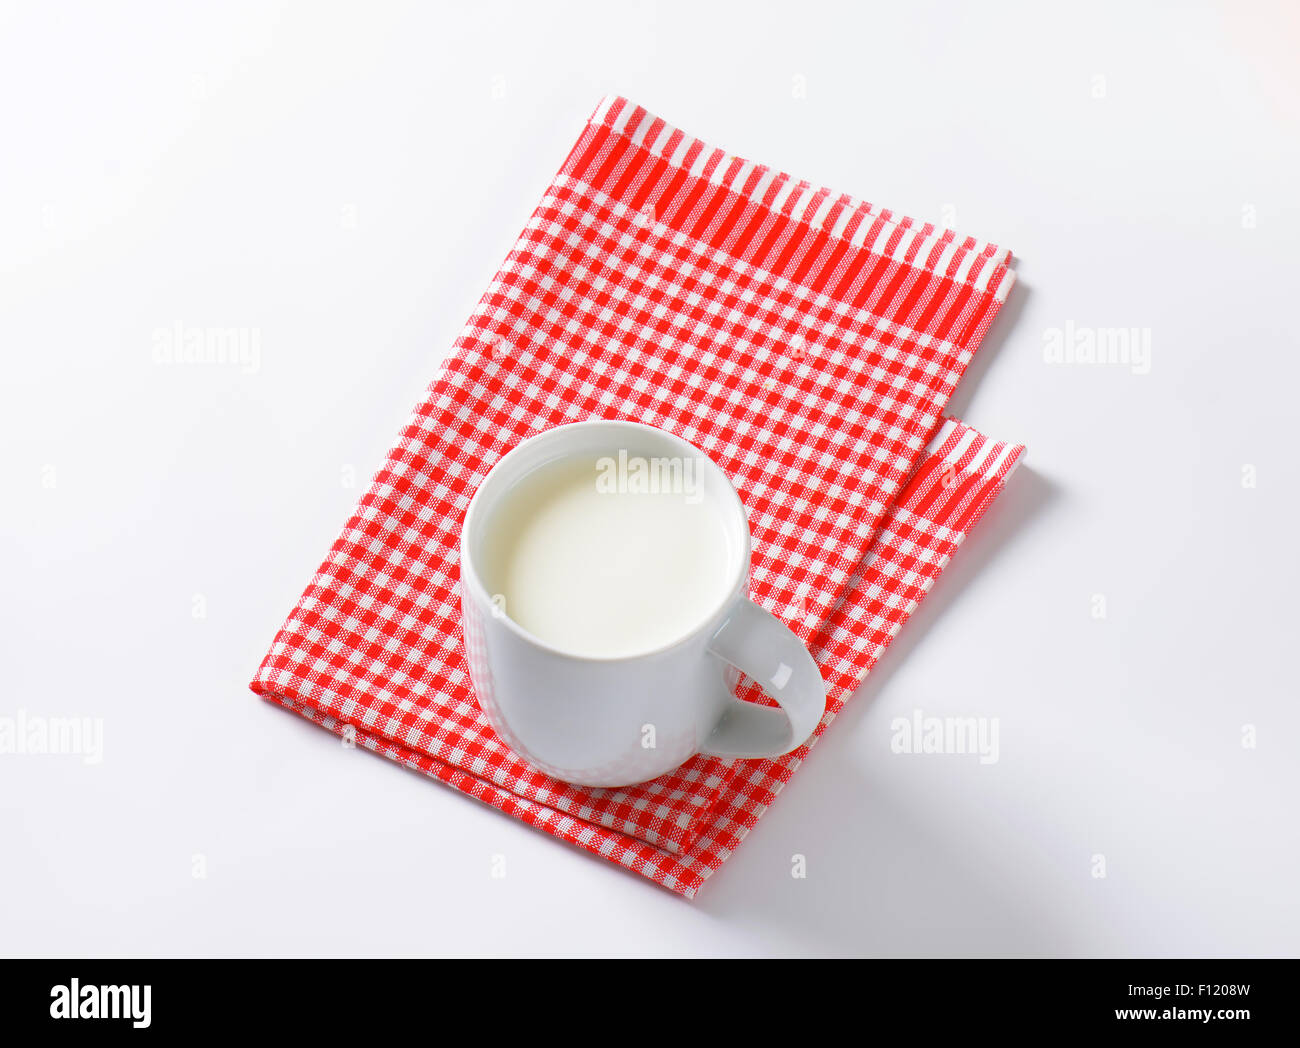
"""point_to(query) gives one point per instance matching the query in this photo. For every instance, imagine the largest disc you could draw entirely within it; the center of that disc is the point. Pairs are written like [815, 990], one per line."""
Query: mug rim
[469, 570]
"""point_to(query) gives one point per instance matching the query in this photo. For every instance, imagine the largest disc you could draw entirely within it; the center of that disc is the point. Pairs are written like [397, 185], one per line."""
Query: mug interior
[599, 439]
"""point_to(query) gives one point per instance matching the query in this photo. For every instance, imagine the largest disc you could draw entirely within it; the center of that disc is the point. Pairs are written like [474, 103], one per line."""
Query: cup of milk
[605, 608]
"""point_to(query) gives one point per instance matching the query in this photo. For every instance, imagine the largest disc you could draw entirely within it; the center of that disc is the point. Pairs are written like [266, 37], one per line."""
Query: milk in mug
[609, 556]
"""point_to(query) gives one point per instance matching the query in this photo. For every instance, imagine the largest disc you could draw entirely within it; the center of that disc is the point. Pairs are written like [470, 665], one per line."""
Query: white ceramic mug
[584, 719]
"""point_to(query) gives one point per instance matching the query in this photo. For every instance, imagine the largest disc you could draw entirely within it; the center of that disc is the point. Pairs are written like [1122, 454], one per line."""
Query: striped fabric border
[832, 221]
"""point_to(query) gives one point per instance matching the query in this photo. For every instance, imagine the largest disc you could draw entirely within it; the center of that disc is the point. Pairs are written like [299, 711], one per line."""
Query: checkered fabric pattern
[805, 340]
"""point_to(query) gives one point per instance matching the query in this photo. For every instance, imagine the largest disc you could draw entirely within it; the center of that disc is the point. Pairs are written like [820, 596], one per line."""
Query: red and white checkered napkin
[805, 340]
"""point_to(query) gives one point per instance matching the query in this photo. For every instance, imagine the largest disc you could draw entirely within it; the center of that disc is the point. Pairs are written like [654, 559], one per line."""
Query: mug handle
[765, 649]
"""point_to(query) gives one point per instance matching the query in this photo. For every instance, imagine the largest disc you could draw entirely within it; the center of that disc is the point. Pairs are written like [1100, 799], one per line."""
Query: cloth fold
[805, 340]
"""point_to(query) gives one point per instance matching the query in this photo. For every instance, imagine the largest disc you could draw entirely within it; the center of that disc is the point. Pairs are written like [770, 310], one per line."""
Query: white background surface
[343, 180]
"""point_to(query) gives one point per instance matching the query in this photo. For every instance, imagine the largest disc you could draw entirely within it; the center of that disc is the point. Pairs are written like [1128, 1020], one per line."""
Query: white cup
[615, 721]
